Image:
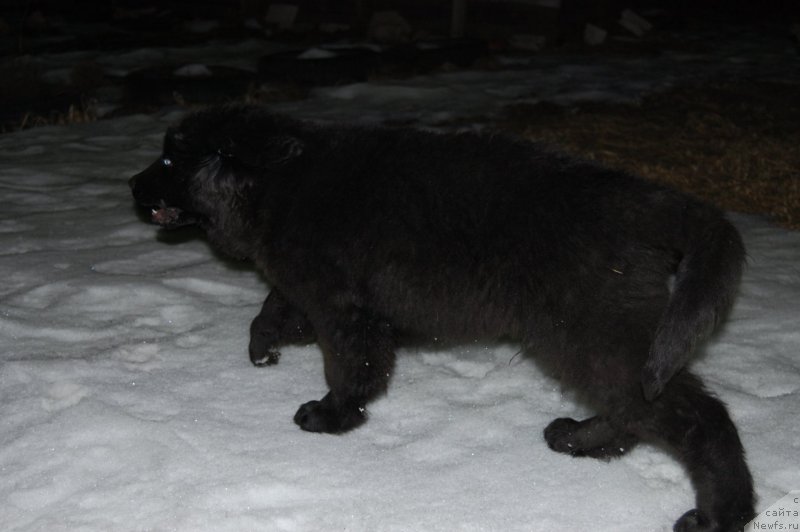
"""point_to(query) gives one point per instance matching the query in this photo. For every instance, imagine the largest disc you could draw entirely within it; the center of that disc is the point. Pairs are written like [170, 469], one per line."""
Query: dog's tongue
[165, 215]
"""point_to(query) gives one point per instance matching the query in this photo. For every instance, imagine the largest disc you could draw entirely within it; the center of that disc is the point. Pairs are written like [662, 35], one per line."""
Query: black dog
[371, 237]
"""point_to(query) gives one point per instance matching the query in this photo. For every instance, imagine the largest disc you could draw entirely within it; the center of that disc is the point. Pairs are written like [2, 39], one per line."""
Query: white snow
[317, 53]
[127, 400]
[194, 70]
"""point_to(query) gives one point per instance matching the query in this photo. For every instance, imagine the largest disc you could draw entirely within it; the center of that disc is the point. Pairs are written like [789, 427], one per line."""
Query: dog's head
[164, 186]
[215, 169]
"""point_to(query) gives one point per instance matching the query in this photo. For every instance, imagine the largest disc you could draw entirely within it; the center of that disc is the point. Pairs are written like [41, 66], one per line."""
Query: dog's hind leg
[596, 437]
[278, 323]
[358, 352]
[604, 362]
[698, 427]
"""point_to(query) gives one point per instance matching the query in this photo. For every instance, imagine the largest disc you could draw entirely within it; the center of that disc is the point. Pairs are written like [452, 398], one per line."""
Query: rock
[281, 15]
[634, 23]
[527, 41]
[390, 27]
[594, 35]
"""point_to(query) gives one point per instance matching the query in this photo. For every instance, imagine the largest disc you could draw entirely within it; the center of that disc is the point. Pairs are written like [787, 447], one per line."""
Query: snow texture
[127, 400]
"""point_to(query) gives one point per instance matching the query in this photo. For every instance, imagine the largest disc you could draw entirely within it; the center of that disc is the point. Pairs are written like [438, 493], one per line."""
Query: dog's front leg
[358, 351]
[279, 323]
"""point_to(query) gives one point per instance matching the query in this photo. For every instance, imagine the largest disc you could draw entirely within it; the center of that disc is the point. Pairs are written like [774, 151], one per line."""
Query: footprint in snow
[61, 395]
[143, 356]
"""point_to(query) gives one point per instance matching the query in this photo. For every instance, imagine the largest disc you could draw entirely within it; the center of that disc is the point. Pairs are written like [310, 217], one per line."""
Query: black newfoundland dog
[373, 237]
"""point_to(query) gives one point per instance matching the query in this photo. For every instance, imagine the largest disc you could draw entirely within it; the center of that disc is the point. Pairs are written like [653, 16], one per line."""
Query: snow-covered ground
[127, 400]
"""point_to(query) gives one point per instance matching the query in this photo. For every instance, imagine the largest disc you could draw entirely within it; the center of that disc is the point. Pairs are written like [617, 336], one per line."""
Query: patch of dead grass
[73, 115]
[735, 145]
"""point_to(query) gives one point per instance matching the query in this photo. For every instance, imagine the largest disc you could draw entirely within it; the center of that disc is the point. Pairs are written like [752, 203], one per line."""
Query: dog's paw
[730, 521]
[558, 435]
[262, 352]
[695, 521]
[565, 435]
[323, 416]
[264, 358]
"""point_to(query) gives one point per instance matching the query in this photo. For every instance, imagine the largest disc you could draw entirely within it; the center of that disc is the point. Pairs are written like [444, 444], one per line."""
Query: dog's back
[503, 238]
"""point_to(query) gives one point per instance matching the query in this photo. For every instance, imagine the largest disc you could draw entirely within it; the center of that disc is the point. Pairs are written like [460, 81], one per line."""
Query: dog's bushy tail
[706, 282]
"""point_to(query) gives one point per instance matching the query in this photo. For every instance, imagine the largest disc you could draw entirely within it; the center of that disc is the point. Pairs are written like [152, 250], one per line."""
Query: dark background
[135, 22]
[732, 141]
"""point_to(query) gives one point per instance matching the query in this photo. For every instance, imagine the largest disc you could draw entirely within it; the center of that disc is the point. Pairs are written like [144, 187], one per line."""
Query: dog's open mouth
[165, 215]
[172, 217]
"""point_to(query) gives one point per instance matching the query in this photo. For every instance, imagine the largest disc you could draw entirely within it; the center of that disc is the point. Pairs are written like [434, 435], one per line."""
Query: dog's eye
[166, 161]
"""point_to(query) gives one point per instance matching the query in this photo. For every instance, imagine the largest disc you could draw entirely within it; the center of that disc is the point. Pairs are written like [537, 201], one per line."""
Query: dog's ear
[270, 152]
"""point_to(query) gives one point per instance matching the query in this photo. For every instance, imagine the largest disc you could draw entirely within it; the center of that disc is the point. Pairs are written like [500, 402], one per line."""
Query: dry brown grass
[736, 145]
[28, 101]
[73, 115]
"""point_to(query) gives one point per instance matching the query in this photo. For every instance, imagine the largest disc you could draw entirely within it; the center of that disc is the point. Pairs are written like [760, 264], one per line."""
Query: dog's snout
[142, 181]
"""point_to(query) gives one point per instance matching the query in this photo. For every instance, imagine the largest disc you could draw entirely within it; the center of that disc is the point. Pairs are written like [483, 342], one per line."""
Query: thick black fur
[372, 237]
